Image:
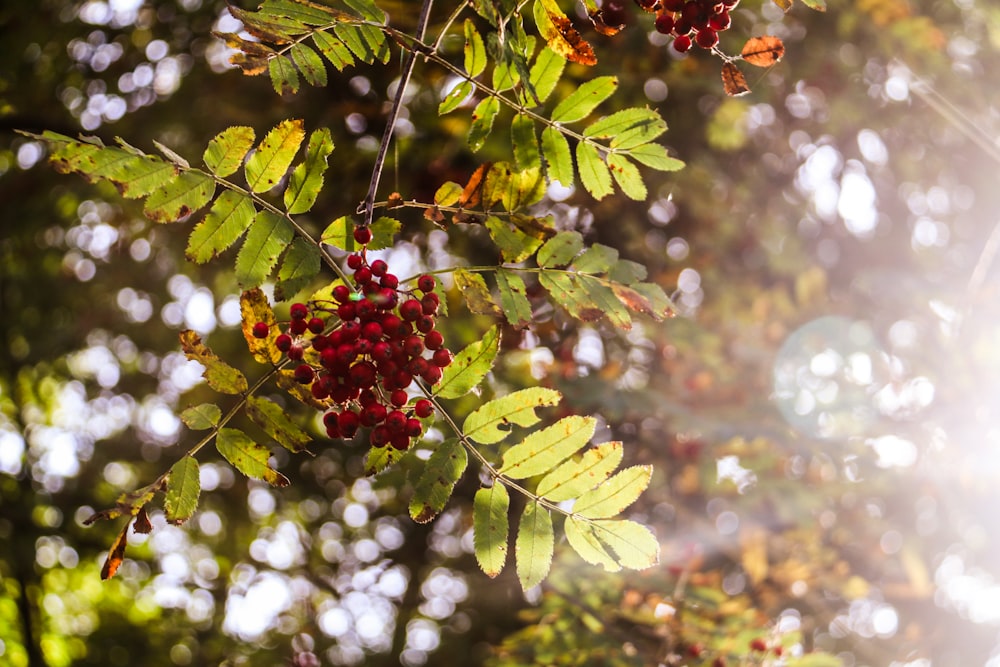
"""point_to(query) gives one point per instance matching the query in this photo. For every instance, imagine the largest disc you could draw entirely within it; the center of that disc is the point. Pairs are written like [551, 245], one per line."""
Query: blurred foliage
[855, 184]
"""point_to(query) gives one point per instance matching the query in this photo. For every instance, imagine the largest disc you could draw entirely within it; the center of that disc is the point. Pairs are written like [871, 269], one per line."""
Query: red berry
[706, 38]
[758, 644]
[425, 323]
[295, 353]
[423, 408]
[414, 428]
[320, 342]
[396, 421]
[304, 373]
[432, 375]
[426, 283]
[382, 351]
[389, 280]
[362, 374]
[430, 303]
[330, 419]
[299, 311]
[261, 330]
[672, 5]
[298, 327]
[413, 346]
[417, 366]
[664, 23]
[363, 275]
[442, 357]
[646, 4]
[319, 391]
[379, 267]
[342, 293]
[380, 436]
[316, 325]
[348, 423]
[347, 311]
[682, 43]
[371, 331]
[351, 331]
[433, 340]
[363, 235]
[355, 262]
[720, 21]
[366, 310]
[387, 298]
[410, 310]
[400, 441]
[373, 414]
[398, 398]
[283, 342]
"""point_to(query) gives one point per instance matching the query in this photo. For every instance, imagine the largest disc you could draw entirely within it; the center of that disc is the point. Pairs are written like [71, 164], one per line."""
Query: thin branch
[368, 205]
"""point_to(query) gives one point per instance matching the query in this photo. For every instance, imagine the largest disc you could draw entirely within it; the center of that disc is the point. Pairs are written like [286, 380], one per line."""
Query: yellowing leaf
[247, 456]
[534, 545]
[227, 220]
[116, 554]
[543, 450]
[763, 51]
[614, 494]
[189, 192]
[513, 298]
[219, 375]
[634, 545]
[227, 149]
[492, 421]
[627, 176]
[490, 528]
[580, 535]
[254, 308]
[470, 366]
[475, 292]
[560, 34]
[575, 477]
[733, 81]
[274, 155]
[200, 417]
[475, 50]
[268, 237]
[272, 419]
[545, 73]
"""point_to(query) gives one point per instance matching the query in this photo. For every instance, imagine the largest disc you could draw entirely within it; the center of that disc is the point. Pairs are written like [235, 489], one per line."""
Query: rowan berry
[304, 373]
[261, 330]
[426, 283]
[379, 267]
[355, 262]
[283, 342]
[423, 408]
[363, 235]
[299, 311]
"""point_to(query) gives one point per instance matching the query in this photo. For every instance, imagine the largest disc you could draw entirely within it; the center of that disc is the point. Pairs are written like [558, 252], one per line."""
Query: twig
[368, 205]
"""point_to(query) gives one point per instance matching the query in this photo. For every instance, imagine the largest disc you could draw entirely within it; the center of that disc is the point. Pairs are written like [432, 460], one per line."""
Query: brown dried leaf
[116, 554]
[557, 30]
[597, 18]
[250, 66]
[763, 51]
[733, 81]
[471, 192]
[395, 200]
[142, 524]
[434, 214]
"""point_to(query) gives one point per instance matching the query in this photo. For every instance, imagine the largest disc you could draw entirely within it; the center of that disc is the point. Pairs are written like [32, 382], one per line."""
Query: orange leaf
[116, 555]
[557, 30]
[763, 51]
[733, 81]
[470, 195]
[597, 18]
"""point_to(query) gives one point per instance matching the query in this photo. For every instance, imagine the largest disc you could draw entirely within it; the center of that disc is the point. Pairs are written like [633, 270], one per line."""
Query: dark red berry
[362, 374]
[362, 235]
[413, 346]
[283, 342]
[351, 331]
[371, 331]
[261, 330]
[706, 38]
[720, 21]
[664, 23]
[342, 293]
[366, 310]
[320, 342]
[430, 303]
[426, 283]
[758, 644]
[399, 441]
[410, 310]
[363, 275]
[373, 414]
[304, 373]
[396, 421]
[348, 423]
[672, 5]
[299, 311]
[380, 436]
[295, 352]
[379, 267]
[398, 398]
[319, 391]
[682, 43]
[298, 327]
[425, 323]
[432, 375]
[433, 340]
[389, 280]
[355, 262]
[382, 351]
[330, 419]
[423, 408]
[442, 358]
[347, 311]
[316, 325]
[417, 366]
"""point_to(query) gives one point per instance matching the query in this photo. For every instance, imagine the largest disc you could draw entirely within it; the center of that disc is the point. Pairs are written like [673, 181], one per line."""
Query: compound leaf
[269, 235]
[271, 418]
[181, 197]
[615, 494]
[306, 180]
[227, 220]
[219, 375]
[534, 545]
[227, 149]
[201, 417]
[543, 450]
[584, 99]
[580, 535]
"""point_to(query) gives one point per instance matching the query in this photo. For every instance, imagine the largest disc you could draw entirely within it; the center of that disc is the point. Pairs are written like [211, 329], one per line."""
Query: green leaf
[578, 476]
[475, 50]
[284, 76]
[615, 494]
[219, 375]
[492, 421]
[513, 298]
[135, 175]
[449, 193]
[254, 307]
[201, 417]
[227, 149]
[470, 366]
[304, 11]
[655, 156]
[657, 304]
[272, 419]
[558, 159]
[524, 142]
[455, 97]
[310, 64]
[560, 249]
[183, 489]
[227, 220]
[340, 233]
[475, 292]
[300, 265]
[545, 73]
[627, 176]
[482, 122]
[367, 10]
[437, 481]
[626, 271]
[596, 259]
[534, 545]
[274, 155]
[514, 245]
[594, 173]
[490, 528]
[585, 297]
[628, 128]
[379, 458]
[584, 99]
[306, 180]
[333, 49]
[633, 543]
[543, 450]
[269, 235]
[181, 197]
[580, 535]
[247, 456]
[513, 188]
[365, 42]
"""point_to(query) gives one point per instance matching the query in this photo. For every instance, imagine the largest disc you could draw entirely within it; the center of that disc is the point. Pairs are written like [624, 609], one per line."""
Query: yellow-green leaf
[340, 233]
[513, 298]
[475, 50]
[655, 156]
[514, 244]
[545, 73]
[247, 456]
[201, 417]
[627, 176]
[448, 194]
[577, 476]
[580, 535]
[490, 528]
[482, 122]
[379, 458]
[455, 97]
[628, 128]
[615, 494]
[584, 99]
[269, 235]
[300, 265]
[269, 163]
[492, 421]
[183, 489]
[272, 419]
[306, 180]
[525, 142]
[334, 49]
[558, 159]
[219, 375]
[437, 481]
[475, 292]
[470, 366]
[560, 249]
[543, 450]
[596, 259]
[189, 192]
[534, 545]
[594, 173]
[227, 149]
[310, 64]
[284, 76]
[633, 544]
[227, 220]
[556, 28]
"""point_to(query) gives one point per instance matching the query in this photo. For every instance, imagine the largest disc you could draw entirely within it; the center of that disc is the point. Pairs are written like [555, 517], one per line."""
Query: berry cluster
[371, 343]
[704, 19]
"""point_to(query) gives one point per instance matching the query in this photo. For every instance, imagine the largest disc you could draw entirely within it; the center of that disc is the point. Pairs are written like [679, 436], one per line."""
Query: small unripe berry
[425, 283]
[261, 330]
[363, 235]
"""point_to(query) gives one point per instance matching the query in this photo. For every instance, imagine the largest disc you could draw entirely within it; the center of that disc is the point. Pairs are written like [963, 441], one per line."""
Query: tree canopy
[501, 333]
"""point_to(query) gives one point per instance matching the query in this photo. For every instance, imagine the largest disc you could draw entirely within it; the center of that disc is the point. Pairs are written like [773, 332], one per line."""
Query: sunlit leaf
[534, 545]
[482, 122]
[247, 456]
[379, 458]
[733, 81]
[306, 180]
[490, 528]
[558, 159]
[628, 128]
[513, 298]
[286, 380]
[227, 220]
[174, 157]
[469, 366]
[577, 476]
[545, 73]
[560, 249]
[596, 259]
[227, 149]
[584, 99]
[269, 235]
[333, 49]
[614, 494]
[556, 29]
[254, 307]
[655, 156]
[594, 173]
[543, 450]
[524, 142]
[492, 421]
[475, 50]
[189, 192]
[580, 535]
[659, 303]
[300, 265]
[219, 375]
[274, 155]
[304, 11]
[310, 64]
[455, 97]
[183, 489]
[475, 292]
[448, 194]
[818, 5]
[284, 76]
[437, 481]
[201, 417]
[763, 51]
[514, 244]
[627, 176]
[585, 297]
[271, 418]
[633, 544]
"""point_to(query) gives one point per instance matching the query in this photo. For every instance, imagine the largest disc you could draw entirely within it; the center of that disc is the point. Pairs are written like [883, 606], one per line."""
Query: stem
[368, 205]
